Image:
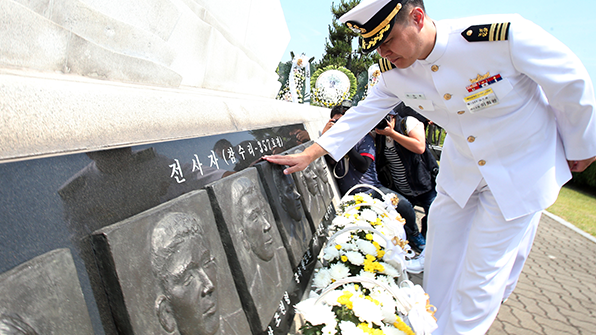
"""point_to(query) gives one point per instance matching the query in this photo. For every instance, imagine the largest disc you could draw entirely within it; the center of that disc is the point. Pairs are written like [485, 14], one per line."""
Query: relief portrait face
[310, 177]
[290, 198]
[255, 220]
[188, 276]
[319, 168]
[192, 287]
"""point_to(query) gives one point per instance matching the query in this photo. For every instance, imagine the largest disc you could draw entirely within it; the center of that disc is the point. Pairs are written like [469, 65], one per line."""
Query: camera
[383, 123]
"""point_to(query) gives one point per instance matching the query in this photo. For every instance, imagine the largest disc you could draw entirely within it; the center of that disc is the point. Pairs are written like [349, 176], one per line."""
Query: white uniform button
[461, 112]
[434, 68]
[482, 162]
[471, 139]
[447, 96]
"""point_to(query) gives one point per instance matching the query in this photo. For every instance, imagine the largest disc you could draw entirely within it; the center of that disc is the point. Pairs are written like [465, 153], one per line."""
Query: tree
[339, 47]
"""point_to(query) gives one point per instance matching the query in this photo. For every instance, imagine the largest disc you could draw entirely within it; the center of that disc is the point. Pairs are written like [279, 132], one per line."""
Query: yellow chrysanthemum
[344, 299]
[344, 258]
[369, 237]
[337, 246]
[369, 330]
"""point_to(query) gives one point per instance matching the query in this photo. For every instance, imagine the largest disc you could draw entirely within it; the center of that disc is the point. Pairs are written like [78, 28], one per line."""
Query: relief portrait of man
[167, 268]
[256, 223]
[293, 225]
[186, 271]
[263, 268]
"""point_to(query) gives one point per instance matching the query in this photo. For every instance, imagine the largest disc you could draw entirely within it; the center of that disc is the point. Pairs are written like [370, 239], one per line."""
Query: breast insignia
[386, 65]
[487, 32]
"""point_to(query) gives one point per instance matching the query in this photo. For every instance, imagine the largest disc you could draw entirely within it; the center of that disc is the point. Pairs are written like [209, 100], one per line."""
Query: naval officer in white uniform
[518, 108]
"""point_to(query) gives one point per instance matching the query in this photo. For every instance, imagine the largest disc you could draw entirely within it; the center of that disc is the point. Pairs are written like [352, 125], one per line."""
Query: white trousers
[473, 260]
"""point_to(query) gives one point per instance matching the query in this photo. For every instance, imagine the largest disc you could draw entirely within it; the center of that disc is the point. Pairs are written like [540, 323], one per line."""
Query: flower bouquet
[363, 210]
[360, 306]
[361, 286]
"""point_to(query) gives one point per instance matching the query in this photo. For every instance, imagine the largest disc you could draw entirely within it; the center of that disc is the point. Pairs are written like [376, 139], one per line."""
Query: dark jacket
[421, 169]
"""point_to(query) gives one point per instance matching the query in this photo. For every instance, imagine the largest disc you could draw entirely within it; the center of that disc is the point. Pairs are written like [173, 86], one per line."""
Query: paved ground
[556, 293]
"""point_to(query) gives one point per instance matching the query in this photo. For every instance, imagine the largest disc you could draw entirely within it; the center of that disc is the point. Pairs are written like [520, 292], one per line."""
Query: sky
[571, 22]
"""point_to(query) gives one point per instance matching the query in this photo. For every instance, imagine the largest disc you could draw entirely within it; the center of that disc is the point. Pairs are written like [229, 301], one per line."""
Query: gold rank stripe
[385, 65]
[384, 23]
[498, 31]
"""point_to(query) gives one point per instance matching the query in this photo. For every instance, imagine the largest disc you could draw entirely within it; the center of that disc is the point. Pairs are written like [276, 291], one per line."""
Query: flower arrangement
[293, 90]
[331, 85]
[361, 286]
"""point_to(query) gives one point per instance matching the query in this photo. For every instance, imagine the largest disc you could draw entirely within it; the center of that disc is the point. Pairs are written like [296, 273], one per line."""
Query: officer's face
[191, 287]
[409, 40]
[402, 47]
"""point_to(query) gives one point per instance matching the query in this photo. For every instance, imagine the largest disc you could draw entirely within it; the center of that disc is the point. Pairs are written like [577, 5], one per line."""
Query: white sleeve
[564, 80]
[411, 123]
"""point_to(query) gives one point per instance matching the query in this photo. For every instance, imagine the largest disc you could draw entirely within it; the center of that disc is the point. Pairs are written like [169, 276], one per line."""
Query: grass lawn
[577, 206]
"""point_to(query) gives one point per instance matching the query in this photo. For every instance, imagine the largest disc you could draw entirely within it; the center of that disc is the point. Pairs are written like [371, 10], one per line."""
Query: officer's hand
[579, 166]
[297, 162]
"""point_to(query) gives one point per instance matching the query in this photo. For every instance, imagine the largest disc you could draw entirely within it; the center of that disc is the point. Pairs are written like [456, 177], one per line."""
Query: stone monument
[112, 108]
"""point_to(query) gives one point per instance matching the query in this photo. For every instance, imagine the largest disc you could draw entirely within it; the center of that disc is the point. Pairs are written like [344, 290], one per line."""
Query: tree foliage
[341, 48]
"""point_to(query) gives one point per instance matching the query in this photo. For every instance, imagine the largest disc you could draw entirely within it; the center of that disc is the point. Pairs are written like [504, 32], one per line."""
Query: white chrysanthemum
[330, 298]
[342, 238]
[389, 270]
[349, 246]
[355, 258]
[330, 253]
[366, 247]
[367, 310]
[348, 328]
[322, 279]
[390, 330]
[339, 271]
[370, 275]
[361, 222]
[316, 314]
[328, 330]
[340, 221]
[369, 215]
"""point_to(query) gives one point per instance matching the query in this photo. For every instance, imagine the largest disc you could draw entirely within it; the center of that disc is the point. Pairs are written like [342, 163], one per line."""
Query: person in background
[404, 161]
[518, 109]
[358, 167]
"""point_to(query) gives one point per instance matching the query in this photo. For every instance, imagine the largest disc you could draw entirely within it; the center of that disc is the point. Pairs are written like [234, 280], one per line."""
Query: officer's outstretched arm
[297, 162]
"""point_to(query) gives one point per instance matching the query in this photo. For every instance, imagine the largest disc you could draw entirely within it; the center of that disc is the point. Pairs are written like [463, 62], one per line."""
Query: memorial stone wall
[133, 195]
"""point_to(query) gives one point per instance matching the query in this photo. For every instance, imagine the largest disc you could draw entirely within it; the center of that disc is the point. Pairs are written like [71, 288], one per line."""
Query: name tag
[415, 96]
[481, 100]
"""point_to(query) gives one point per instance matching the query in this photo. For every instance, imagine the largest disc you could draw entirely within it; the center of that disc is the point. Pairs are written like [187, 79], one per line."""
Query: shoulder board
[385, 65]
[487, 32]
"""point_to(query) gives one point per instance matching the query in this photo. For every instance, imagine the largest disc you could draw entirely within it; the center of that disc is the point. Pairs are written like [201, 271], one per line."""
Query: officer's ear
[165, 314]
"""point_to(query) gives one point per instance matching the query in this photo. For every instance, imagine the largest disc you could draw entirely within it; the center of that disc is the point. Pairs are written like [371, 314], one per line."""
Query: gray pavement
[556, 292]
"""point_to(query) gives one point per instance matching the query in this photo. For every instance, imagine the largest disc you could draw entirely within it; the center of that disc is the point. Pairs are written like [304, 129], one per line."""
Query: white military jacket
[515, 110]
